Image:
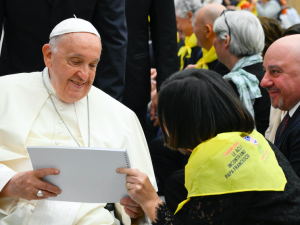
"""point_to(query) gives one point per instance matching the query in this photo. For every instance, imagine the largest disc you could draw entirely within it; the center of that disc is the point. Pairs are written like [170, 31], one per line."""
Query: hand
[190, 66]
[132, 209]
[27, 184]
[153, 73]
[153, 109]
[139, 186]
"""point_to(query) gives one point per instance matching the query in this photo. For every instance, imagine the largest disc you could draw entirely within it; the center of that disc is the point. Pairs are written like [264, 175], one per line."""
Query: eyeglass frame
[223, 13]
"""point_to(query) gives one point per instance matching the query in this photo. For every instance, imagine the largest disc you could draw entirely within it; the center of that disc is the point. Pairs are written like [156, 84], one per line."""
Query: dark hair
[295, 29]
[272, 30]
[195, 105]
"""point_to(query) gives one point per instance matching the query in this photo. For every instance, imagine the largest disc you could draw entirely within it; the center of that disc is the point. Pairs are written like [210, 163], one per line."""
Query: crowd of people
[209, 116]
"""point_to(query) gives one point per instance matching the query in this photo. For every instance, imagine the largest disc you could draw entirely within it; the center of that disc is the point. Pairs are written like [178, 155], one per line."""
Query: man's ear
[190, 15]
[47, 53]
[209, 30]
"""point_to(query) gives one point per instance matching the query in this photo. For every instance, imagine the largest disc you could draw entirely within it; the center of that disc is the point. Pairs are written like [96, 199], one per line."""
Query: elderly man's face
[184, 25]
[282, 77]
[72, 67]
[200, 31]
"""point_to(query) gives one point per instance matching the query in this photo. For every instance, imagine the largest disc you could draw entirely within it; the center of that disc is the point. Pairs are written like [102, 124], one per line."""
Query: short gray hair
[246, 33]
[54, 42]
[182, 7]
[56, 39]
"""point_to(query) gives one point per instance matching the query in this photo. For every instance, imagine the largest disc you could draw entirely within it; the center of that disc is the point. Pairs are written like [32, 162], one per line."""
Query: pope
[60, 107]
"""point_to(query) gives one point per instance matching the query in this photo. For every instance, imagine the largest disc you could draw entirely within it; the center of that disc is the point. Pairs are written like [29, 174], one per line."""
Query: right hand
[27, 184]
[191, 66]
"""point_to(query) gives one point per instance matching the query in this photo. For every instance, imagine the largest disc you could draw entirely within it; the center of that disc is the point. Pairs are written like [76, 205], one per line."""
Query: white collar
[293, 110]
[47, 80]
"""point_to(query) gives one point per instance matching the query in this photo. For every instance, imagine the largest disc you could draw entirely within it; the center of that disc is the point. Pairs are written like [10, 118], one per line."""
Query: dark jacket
[163, 32]
[289, 141]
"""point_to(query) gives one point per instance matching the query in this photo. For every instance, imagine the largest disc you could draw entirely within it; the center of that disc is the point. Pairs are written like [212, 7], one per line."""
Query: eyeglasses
[223, 13]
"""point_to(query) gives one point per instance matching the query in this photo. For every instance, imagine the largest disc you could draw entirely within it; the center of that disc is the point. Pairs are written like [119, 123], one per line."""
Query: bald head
[282, 76]
[208, 14]
[204, 22]
[288, 44]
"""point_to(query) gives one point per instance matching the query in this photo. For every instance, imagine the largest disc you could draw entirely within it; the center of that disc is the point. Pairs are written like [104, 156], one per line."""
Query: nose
[84, 72]
[266, 81]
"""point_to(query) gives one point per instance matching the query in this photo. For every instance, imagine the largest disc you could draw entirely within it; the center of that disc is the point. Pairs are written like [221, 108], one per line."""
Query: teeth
[77, 83]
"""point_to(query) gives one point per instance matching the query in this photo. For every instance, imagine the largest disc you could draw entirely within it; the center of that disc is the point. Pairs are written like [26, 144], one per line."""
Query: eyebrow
[274, 67]
[82, 56]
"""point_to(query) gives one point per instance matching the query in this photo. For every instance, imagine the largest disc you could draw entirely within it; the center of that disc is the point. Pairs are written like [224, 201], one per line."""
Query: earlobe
[47, 53]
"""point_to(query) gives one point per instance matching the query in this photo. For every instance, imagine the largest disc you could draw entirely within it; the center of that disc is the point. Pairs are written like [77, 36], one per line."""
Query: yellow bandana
[186, 50]
[208, 57]
[232, 162]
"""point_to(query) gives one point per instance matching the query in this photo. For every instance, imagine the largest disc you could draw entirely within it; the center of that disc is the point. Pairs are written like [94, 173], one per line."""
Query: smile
[79, 84]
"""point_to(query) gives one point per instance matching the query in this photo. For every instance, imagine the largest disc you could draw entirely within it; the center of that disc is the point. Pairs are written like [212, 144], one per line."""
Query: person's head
[185, 10]
[282, 72]
[72, 60]
[272, 30]
[295, 29]
[238, 33]
[195, 105]
[204, 22]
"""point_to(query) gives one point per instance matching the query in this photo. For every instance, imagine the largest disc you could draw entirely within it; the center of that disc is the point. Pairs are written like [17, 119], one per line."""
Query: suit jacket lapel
[291, 123]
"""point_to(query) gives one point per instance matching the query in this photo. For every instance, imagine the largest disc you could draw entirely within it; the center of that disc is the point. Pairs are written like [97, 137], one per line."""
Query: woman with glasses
[233, 176]
[239, 42]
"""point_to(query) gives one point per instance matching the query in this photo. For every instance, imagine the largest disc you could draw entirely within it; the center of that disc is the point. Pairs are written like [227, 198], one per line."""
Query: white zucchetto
[73, 25]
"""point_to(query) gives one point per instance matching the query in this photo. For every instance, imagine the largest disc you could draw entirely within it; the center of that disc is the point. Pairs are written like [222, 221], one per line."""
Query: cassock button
[57, 142]
[61, 108]
[60, 122]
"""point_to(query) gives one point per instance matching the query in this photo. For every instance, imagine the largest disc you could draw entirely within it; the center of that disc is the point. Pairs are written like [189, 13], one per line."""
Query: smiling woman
[72, 68]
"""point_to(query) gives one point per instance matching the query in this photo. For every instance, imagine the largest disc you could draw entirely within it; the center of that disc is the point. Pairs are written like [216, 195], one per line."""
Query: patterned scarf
[246, 83]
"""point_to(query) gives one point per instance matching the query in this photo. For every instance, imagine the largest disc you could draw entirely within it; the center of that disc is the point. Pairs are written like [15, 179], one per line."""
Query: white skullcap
[73, 25]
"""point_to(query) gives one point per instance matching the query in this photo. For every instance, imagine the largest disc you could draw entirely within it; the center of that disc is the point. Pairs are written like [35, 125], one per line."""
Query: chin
[71, 98]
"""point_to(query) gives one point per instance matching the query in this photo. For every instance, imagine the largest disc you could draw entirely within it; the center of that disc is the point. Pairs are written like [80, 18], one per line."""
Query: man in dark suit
[282, 81]
[163, 32]
[27, 25]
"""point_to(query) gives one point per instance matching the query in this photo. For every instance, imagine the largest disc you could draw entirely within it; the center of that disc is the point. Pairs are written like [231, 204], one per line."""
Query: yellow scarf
[232, 162]
[208, 57]
[186, 50]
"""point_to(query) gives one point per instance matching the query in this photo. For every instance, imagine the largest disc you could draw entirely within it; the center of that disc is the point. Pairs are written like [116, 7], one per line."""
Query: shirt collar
[47, 80]
[293, 110]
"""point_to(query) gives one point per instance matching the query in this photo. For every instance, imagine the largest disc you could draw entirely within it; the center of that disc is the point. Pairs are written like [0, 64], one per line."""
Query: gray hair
[182, 7]
[246, 33]
[54, 42]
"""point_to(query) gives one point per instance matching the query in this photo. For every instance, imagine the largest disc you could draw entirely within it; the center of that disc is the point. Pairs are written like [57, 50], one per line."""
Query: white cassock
[28, 118]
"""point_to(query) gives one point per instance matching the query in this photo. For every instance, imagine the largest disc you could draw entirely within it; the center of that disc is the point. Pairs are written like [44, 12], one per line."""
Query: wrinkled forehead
[78, 39]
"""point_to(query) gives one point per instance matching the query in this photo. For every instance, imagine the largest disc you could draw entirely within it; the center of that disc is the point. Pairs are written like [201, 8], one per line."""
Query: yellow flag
[232, 162]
